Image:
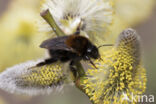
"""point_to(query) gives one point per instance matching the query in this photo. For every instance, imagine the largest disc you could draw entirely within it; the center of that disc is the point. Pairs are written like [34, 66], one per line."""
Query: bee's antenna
[105, 45]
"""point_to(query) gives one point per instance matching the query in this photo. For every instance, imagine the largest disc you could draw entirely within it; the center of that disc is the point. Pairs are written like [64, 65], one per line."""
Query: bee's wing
[56, 44]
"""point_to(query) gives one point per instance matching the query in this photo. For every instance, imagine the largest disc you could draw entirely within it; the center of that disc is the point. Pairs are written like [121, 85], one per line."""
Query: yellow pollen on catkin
[120, 72]
[45, 76]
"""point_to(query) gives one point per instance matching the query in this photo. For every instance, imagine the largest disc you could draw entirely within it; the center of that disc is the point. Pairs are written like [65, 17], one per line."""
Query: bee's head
[92, 51]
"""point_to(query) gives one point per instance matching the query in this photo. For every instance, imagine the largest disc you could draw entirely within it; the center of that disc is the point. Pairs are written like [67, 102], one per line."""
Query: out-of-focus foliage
[2, 101]
[19, 35]
[127, 13]
[132, 12]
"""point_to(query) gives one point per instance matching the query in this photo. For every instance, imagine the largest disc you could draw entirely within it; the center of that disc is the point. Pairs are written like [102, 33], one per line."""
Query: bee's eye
[89, 50]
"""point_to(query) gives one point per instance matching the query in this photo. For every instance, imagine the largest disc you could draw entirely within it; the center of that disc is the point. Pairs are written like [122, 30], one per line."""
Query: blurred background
[20, 38]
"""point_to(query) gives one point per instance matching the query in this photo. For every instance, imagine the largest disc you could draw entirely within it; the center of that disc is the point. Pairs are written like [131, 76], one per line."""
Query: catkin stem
[50, 20]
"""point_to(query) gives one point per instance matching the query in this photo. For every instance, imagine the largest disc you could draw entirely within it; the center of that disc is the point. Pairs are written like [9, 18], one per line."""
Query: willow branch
[46, 15]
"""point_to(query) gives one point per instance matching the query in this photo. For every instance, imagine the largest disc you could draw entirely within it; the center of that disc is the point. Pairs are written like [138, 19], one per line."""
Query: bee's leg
[47, 62]
[73, 69]
[91, 62]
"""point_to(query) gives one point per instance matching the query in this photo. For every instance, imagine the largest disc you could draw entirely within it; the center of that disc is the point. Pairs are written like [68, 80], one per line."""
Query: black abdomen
[63, 55]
